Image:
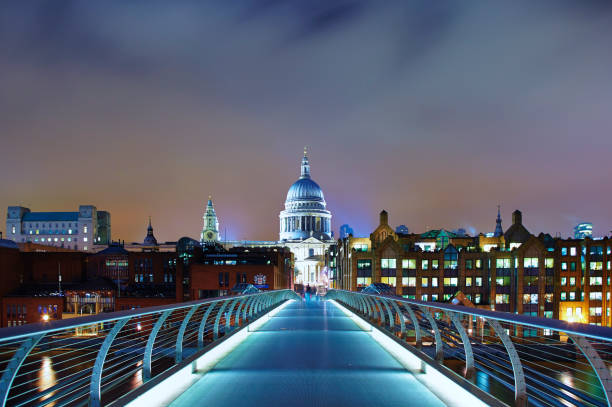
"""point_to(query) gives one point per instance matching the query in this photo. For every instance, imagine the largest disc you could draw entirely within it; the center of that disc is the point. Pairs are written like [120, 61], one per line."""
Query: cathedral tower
[210, 231]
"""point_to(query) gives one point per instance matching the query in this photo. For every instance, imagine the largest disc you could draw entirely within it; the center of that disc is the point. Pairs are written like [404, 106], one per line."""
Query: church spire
[305, 165]
[210, 231]
[498, 224]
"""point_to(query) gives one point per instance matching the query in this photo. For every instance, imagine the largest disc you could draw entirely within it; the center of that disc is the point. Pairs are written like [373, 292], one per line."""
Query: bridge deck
[308, 355]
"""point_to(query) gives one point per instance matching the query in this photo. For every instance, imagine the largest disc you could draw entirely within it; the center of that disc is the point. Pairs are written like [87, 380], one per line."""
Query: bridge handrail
[96, 359]
[536, 348]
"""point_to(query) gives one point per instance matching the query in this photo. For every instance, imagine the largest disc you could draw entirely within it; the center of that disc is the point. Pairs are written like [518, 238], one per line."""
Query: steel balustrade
[520, 360]
[96, 359]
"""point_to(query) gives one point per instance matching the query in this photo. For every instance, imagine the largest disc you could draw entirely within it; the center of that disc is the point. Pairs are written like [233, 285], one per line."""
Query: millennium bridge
[275, 348]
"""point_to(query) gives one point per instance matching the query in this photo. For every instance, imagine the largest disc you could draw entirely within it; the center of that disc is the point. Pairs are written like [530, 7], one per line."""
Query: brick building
[513, 272]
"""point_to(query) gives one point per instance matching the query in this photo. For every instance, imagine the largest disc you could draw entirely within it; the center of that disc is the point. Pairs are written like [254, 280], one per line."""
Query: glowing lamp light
[138, 327]
[45, 317]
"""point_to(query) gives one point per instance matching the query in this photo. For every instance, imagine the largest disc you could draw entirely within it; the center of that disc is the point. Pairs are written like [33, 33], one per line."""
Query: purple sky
[435, 111]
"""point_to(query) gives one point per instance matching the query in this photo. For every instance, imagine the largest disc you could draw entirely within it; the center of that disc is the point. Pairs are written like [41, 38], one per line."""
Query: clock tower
[210, 231]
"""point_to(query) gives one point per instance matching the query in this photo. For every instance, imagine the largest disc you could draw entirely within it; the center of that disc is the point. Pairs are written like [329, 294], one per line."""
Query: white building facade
[79, 230]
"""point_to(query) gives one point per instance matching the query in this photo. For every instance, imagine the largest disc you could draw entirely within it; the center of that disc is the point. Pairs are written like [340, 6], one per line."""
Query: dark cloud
[436, 111]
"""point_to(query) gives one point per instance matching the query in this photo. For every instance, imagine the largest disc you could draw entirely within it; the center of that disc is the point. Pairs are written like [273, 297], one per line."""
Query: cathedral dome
[305, 213]
[305, 189]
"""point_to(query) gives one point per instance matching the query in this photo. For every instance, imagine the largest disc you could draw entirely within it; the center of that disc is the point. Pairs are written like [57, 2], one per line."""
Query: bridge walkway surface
[309, 354]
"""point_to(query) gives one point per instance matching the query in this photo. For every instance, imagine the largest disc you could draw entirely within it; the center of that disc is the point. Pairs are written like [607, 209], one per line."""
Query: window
[563, 265]
[469, 264]
[572, 281]
[364, 264]
[84, 229]
[389, 280]
[424, 297]
[530, 262]
[450, 281]
[530, 298]
[595, 311]
[387, 263]
[84, 239]
[360, 247]
[563, 295]
[564, 251]
[424, 264]
[596, 265]
[530, 281]
[596, 296]
[572, 296]
[549, 263]
[502, 298]
[572, 251]
[477, 298]
[434, 264]
[434, 297]
[13, 230]
[434, 281]
[411, 281]
[468, 281]
[502, 263]
[424, 282]
[595, 280]
[573, 266]
[502, 281]
[478, 264]
[478, 281]
[364, 281]
[409, 264]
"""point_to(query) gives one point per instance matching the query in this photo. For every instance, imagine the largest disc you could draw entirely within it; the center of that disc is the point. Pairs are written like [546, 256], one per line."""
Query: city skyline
[147, 110]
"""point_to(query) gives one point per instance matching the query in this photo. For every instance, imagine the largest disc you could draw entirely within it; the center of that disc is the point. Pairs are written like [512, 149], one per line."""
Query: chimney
[384, 218]
[517, 217]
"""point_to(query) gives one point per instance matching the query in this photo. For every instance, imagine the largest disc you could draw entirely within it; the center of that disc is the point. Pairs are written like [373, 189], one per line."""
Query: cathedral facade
[305, 228]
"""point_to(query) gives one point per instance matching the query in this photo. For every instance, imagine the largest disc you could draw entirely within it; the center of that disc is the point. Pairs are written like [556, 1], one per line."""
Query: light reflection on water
[46, 377]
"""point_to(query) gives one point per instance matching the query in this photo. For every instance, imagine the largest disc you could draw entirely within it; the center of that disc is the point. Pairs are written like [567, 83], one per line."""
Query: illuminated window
[530, 298]
[569, 311]
[595, 280]
[564, 251]
[573, 266]
[596, 265]
[469, 264]
[477, 298]
[387, 263]
[84, 229]
[530, 262]
[434, 264]
[14, 230]
[450, 281]
[85, 248]
[502, 299]
[424, 282]
[434, 297]
[595, 311]
[468, 281]
[595, 296]
[84, 239]
[563, 265]
[388, 280]
[563, 295]
[563, 280]
[424, 264]
[409, 264]
[549, 263]
[478, 281]
[411, 281]
[572, 281]
[502, 281]
[424, 297]
[363, 281]
[434, 281]
[572, 251]
[478, 264]
[572, 296]
[502, 263]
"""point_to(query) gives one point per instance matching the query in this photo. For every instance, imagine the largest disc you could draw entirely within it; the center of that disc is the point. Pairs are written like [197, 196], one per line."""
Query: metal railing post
[381, 314]
[520, 387]
[439, 349]
[601, 370]
[401, 317]
[415, 323]
[228, 320]
[202, 327]
[146, 359]
[95, 396]
[218, 318]
[467, 345]
[178, 348]
[14, 364]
